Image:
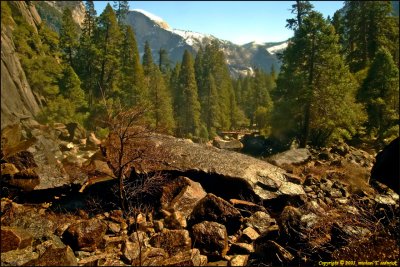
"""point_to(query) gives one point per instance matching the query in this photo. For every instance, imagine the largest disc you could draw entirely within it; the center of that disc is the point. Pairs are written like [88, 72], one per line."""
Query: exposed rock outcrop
[38, 159]
[77, 9]
[17, 99]
[237, 173]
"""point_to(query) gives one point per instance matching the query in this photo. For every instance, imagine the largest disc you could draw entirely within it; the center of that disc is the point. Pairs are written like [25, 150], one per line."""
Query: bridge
[236, 133]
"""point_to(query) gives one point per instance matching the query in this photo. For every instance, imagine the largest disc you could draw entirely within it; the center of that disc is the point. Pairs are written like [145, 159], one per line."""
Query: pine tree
[69, 105]
[164, 64]
[87, 52]
[132, 80]
[301, 9]
[210, 106]
[338, 23]
[108, 39]
[367, 27]
[147, 60]
[162, 111]
[177, 97]
[189, 110]
[121, 9]
[380, 94]
[214, 62]
[315, 90]
[247, 93]
[200, 71]
[70, 87]
[68, 37]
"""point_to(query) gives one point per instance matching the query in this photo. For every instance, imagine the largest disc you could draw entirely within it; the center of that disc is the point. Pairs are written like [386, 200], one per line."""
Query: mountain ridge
[241, 59]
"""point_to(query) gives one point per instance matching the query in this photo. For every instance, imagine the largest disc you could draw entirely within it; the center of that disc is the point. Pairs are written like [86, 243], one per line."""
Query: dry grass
[376, 234]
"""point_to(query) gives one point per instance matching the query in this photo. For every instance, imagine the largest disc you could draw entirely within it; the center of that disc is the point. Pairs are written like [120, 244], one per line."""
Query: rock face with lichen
[17, 99]
[237, 171]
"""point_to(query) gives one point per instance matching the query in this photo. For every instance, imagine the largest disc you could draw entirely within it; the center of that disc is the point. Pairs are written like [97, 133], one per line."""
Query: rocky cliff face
[77, 9]
[17, 99]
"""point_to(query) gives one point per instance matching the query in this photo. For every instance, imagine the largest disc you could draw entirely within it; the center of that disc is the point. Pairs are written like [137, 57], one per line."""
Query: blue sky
[237, 21]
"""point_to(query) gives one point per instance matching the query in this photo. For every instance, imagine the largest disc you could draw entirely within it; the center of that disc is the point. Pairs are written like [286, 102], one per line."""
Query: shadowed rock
[85, 235]
[211, 238]
[213, 208]
[386, 169]
[13, 238]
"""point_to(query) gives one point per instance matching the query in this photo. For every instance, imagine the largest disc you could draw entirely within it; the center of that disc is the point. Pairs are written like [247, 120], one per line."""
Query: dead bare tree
[126, 128]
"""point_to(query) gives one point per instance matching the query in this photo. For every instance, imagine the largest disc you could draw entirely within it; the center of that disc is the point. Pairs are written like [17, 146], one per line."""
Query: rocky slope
[241, 59]
[17, 99]
[189, 204]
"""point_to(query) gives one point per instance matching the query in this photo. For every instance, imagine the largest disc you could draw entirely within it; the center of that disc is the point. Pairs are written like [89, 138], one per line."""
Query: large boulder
[182, 195]
[85, 235]
[230, 173]
[386, 169]
[172, 241]
[56, 256]
[211, 238]
[216, 209]
[234, 144]
[290, 157]
[13, 238]
[18, 257]
[37, 225]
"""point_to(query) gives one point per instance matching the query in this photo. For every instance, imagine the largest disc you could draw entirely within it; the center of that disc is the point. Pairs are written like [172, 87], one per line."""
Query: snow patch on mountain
[154, 18]
[192, 37]
[273, 49]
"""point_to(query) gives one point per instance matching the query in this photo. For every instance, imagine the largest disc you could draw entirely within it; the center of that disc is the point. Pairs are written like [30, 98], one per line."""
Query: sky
[237, 21]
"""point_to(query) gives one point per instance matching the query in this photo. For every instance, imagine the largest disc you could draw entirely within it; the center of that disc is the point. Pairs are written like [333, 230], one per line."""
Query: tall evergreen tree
[189, 110]
[177, 97]
[380, 94]
[199, 71]
[147, 60]
[132, 80]
[316, 92]
[338, 23]
[68, 37]
[70, 88]
[108, 40]
[367, 28]
[121, 9]
[214, 62]
[162, 111]
[164, 64]
[210, 106]
[301, 9]
[87, 52]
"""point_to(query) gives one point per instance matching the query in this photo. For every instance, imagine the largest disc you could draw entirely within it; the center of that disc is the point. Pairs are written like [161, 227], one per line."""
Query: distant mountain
[241, 59]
